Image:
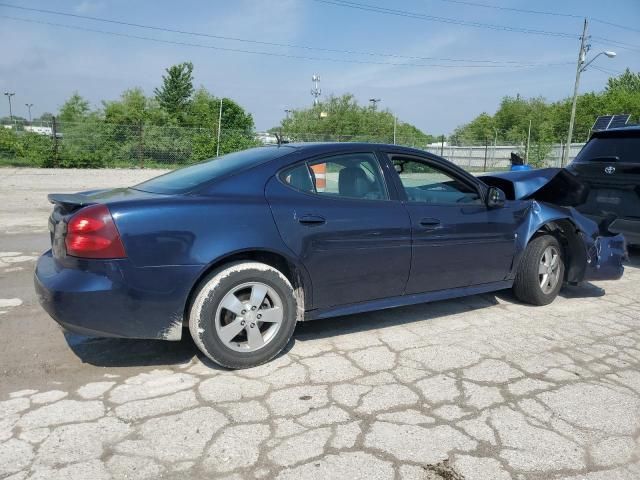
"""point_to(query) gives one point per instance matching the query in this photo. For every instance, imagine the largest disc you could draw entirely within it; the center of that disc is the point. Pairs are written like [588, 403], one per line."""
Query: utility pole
[9, 95]
[316, 91]
[29, 105]
[219, 128]
[582, 55]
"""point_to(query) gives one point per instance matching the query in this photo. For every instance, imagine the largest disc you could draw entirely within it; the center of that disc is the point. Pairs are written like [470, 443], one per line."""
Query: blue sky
[44, 64]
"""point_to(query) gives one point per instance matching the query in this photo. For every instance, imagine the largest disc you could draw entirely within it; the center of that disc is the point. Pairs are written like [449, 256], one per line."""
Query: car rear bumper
[605, 258]
[112, 298]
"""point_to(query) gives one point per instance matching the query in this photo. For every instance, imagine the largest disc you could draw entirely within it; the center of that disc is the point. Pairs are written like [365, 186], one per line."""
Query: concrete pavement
[477, 388]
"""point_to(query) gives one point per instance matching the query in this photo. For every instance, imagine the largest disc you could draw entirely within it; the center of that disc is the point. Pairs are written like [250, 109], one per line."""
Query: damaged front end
[592, 252]
[605, 254]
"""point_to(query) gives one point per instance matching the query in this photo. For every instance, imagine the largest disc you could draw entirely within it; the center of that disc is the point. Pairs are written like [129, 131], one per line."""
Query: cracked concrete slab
[478, 388]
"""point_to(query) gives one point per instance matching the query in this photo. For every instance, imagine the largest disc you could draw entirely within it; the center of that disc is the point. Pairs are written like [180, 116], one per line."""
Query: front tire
[243, 315]
[541, 271]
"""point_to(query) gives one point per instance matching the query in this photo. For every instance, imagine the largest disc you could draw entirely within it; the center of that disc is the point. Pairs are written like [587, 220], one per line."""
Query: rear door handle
[430, 223]
[312, 220]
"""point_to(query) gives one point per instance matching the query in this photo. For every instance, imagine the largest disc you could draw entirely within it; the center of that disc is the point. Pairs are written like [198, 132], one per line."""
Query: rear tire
[243, 314]
[540, 274]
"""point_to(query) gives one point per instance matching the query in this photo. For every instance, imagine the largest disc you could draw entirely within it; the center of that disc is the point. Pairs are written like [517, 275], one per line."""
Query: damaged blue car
[237, 250]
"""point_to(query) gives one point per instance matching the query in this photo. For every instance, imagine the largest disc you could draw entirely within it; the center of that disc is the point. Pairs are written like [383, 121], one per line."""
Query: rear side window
[353, 175]
[299, 178]
[189, 178]
[611, 149]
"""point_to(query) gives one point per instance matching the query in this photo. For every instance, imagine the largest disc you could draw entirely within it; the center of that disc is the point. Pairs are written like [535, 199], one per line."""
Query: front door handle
[430, 223]
[312, 220]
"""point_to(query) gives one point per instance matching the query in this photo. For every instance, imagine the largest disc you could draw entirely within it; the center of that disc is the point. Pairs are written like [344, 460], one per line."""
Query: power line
[616, 25]
[432, 18]
[538, 12]
[271, 54]
[624, 45]
[512, 9]
[608, 71]
[260, 42]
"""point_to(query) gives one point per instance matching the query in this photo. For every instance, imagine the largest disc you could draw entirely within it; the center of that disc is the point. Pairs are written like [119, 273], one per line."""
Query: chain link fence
[98, 144]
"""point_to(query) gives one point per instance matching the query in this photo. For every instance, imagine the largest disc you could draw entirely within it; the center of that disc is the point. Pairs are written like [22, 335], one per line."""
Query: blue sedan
[239, 249]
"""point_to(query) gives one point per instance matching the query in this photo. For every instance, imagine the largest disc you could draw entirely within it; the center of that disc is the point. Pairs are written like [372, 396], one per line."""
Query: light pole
[581, 67]
[287, 111]
[29, 105]
[9, 95]
[374, 102]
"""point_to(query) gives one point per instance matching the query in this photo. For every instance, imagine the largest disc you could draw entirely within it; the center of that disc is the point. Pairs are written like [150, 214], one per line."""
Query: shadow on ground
[123, 352]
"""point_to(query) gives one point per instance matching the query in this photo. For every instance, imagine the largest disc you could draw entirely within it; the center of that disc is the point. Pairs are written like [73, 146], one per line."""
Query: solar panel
[602, 122]
[619, 121]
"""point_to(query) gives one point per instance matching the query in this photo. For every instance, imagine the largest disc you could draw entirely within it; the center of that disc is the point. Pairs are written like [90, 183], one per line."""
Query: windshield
[611, 149]
[189, 178]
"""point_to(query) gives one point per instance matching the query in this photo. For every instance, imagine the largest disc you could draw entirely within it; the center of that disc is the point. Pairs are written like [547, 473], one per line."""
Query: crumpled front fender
[605, 257]
[590, 256]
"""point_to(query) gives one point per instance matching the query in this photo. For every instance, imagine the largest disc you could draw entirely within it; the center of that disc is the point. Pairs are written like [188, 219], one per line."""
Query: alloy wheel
[249, 317]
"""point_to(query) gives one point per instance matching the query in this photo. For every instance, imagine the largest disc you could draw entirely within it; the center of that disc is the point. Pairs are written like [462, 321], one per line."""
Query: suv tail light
[91, 233]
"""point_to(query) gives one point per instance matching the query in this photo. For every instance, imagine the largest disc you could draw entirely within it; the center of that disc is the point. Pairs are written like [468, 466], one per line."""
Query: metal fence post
[486, 148]
[140, 145]
[54, 131]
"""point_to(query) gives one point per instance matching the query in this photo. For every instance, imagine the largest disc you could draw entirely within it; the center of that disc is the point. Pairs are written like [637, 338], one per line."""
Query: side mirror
[495, 198]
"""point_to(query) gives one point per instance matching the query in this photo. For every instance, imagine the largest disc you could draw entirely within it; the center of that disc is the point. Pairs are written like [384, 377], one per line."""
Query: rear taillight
[91, 233]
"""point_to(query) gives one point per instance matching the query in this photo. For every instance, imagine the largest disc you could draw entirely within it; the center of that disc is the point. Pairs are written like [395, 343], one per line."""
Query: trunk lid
[66, 204]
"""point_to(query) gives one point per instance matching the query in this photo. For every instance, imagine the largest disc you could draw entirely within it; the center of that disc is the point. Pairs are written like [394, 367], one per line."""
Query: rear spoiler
[70, 201]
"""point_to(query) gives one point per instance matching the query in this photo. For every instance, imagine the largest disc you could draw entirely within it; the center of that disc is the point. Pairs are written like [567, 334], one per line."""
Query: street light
[374, 102]
[9, 95]
[29, 105]
[288, 111]
[582, 66]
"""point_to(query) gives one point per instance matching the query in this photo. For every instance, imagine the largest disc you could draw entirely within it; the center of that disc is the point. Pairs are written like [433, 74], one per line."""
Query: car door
[457, 241]
[336, 215]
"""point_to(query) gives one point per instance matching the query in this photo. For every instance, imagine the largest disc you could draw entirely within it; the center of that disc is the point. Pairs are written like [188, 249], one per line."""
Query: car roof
[628, 131]
[328, 147]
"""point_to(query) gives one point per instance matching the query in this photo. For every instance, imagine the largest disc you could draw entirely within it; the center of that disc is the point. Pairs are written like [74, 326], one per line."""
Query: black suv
[610, 164]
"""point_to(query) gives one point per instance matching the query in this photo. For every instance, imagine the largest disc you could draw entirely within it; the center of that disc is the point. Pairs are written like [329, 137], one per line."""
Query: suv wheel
[243, 315]
[541, 271]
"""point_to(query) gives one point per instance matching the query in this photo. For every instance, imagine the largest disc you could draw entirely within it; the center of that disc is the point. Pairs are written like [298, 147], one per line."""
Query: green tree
[343, 119]
[236, 131]
[174, 96]
[628, 81]
[75, 109]
[478, 131]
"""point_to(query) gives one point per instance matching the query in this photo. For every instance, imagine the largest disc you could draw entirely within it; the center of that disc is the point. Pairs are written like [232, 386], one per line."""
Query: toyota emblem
[610, 170]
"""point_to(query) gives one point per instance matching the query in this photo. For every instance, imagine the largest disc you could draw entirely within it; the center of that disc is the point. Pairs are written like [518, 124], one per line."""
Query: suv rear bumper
[629, 227]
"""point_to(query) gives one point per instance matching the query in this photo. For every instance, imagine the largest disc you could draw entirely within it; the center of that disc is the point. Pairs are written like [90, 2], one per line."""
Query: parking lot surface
[476, 388]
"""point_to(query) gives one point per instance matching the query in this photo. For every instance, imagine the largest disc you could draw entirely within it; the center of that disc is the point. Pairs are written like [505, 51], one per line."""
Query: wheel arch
[568, 233]
[290, 268]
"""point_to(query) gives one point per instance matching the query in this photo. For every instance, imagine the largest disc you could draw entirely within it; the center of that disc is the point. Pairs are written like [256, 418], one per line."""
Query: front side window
[425, 183]
[353, 175]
